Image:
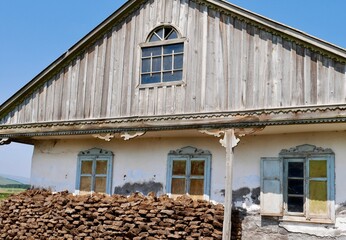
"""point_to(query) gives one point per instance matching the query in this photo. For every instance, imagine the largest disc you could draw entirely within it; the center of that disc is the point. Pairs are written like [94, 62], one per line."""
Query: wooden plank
[111, 72]
[89, 82]
[74, 89]
[42, 104]
[256, 80]
[120, 81]
[98, 77]
[140, 37]
[307, 77]
[313, 78]
[49, 100]
[204, 20]
[57, 106]
[35, 106]
[190, 59]
[299, 71]
[286, 74]
[250, 63]
[130, 77]
[243, 65]
[82, 82]
[237, 49]
[106, 76]
[331, 83]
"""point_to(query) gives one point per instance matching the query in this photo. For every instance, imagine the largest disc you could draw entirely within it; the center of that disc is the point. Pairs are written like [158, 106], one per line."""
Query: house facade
[195, 97]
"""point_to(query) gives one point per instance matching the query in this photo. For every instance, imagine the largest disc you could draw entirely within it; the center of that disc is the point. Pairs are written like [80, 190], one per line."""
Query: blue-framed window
[188, 172]
[94, 171]
[162, 57]
[299, 184]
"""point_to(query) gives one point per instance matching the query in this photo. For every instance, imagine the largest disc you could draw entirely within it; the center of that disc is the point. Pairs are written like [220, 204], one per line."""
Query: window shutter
[271, 187]
[319, 188]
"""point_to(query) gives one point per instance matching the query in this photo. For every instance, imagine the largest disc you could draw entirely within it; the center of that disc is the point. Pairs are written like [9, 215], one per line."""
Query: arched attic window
[162, 56]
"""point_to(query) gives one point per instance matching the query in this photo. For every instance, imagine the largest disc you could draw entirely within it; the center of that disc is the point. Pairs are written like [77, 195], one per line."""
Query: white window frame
[162, 43]
[94, 155]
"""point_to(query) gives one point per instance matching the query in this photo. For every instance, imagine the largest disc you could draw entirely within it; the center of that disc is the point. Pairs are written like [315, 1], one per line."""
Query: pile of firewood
[39, 214]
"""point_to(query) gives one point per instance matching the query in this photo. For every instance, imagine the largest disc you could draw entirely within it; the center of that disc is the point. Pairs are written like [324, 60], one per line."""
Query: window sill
[304, 220]
[159, 85]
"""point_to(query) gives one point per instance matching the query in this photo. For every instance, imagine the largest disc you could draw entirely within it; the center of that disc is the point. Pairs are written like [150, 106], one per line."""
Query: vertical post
[229, 142]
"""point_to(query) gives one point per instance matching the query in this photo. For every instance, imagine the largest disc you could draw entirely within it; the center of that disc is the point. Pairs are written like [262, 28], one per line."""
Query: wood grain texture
[229, 65]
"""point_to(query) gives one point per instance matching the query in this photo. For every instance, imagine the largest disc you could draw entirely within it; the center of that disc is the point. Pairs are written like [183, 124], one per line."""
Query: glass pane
[295, 204]
[151, 51]
[168, 30]
[197, 168]
[178, 186]
[173, 35]
[178, 61]
[179, 168]
[85, 184]
[167, 63]
[159, 33]
[296, 169]
[176, 76]
[295, 186]
[146, 65]
[154, 78]
[318, 198]
[100, 184]
[87, 167]
[197, 187]
[177, 48]
[154, 38]
[156, 64]
[318, 168]
[101, 166]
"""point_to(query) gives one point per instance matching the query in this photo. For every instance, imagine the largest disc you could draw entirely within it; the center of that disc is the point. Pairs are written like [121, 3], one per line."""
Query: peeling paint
[144, 188]
[245, 197]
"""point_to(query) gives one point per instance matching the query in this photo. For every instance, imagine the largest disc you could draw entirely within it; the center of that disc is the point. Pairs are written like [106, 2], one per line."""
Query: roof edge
[280, 27]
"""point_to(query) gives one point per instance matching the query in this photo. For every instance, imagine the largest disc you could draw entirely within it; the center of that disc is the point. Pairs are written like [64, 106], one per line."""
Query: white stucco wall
[144, 159]
[135, 161]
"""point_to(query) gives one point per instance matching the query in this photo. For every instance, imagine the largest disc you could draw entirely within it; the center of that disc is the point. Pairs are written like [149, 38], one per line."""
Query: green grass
[6, 192]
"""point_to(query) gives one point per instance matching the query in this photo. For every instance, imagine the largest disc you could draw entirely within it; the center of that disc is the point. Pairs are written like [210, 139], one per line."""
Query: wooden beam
[229, 142]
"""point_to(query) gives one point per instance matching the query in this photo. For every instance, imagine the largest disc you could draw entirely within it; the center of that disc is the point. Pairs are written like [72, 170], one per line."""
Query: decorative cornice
[95, 151]
[130, 135]
[5, 141]
[306, 149]
[223, 120]
[189, 151]
[107, 137]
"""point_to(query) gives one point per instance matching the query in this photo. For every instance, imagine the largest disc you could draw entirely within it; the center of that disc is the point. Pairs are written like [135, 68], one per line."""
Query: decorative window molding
[94, 171]
[188, 172]
[162, 57]
[299, 185]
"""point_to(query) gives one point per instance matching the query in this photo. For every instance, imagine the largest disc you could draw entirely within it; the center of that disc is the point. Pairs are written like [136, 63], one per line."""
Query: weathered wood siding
[229, 65]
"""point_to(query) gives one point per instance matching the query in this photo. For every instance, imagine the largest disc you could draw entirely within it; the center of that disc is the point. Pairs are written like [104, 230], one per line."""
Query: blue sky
[34, 33]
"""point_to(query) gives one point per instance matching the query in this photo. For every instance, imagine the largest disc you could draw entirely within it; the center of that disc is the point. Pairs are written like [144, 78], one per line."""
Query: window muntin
[306, 184]
[188, 173]
[162, 62]
[299, 185]
[94, 171]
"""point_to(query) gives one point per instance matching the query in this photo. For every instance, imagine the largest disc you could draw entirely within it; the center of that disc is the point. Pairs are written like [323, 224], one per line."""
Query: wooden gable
[231, 63]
